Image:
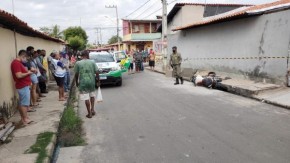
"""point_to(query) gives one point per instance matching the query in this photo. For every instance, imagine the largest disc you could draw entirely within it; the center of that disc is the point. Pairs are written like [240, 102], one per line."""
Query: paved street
[148, 120]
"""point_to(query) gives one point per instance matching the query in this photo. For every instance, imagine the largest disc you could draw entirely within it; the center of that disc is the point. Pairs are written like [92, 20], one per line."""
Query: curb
[271, 102]
[253, 95]
[50, 149]
[241, 92]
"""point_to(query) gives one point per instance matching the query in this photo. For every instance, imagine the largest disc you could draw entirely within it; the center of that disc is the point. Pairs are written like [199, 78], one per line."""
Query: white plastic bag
[99, 96]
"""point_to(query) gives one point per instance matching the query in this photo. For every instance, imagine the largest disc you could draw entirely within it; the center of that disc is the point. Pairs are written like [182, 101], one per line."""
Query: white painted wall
[8, 53]
[186, 15]
[266, 35]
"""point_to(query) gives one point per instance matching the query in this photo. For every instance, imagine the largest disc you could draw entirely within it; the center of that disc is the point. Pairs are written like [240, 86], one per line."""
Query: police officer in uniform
[175, 61]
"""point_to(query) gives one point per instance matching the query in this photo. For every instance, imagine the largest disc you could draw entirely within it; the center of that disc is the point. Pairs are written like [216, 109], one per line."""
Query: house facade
[249, 42]
[186, 13]
[140, 34]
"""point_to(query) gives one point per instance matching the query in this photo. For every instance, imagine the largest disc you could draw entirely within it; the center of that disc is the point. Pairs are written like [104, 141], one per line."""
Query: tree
[45, 30]
[77, 38]
[75, 31]
[90, 46]
[53, 31]
[114, 39]
[56, 32]
[77, 43]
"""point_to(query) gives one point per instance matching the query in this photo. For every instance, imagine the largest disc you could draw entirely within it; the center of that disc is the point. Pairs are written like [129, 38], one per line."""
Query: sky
[92, 14]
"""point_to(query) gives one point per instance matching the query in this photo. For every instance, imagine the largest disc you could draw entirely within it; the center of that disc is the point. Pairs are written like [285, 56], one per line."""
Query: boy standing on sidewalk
[22, 80]
[86, 72]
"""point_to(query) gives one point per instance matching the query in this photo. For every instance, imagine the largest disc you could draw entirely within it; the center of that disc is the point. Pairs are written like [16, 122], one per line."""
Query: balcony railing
[142, 37]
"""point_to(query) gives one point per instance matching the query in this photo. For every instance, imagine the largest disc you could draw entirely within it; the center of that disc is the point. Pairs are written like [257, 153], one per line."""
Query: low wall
[8, 52]
[255, 47]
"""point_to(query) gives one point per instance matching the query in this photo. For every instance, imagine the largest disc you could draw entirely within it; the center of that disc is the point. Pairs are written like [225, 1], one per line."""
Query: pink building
[140, 34]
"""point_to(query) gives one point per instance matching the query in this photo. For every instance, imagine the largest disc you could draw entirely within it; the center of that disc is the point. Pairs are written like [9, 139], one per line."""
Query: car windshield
[102, 58]
[120, 55]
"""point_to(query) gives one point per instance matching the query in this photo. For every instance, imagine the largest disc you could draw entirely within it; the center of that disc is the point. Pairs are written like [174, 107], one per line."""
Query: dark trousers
[42, 86]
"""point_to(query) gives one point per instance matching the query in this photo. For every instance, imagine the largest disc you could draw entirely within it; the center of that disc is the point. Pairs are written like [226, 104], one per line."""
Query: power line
[159, 9]
[145, 10]
[138, 8]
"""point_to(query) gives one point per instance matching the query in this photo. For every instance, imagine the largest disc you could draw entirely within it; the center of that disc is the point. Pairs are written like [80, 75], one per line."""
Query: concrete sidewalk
[269, 93]
[46, 119]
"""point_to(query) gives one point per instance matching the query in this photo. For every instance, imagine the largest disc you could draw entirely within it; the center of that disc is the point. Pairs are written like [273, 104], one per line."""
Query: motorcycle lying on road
[210, 81]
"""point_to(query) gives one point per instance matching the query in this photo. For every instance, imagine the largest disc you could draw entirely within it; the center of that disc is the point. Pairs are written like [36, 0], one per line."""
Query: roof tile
[11, 22]
[232, 14]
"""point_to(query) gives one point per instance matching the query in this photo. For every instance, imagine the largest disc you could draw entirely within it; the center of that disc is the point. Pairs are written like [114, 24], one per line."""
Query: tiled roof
[212, 4]
[143, 20]
[11, 22]
[178, 6]
[239, 13]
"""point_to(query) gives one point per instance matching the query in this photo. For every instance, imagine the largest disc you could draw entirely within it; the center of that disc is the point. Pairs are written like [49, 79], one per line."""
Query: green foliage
[40, 145]
[76, 43]
[53, 31]
[114, 39]
[76, 37]
[90, 46]
[75, 31]
[70, 131]
[46, 30]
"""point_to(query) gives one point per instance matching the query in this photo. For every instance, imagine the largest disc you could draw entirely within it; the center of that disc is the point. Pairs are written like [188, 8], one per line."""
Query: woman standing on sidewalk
[59, 75]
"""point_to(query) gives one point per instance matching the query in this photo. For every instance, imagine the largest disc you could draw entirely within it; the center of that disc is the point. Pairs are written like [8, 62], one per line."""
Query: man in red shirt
[22, 80]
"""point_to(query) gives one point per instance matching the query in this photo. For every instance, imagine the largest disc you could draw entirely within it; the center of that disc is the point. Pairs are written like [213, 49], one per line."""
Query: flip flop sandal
[35, 105]
[88, 116]
[31, 110]
[93, 113]
[30, 122]
[20, 126]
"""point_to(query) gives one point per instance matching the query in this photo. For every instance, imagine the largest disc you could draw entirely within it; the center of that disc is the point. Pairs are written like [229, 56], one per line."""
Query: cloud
[90, 13]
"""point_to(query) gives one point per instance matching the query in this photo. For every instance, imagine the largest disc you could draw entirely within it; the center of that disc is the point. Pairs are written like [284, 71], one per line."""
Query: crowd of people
[31, 76]
[138, 58]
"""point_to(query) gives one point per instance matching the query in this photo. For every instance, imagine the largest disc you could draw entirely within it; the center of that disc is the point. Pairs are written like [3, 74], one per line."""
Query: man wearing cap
[175, 62]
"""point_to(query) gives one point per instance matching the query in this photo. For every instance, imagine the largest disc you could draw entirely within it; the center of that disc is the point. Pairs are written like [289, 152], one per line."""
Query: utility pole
[117, 15]
[98, 42]
[99, 36]
[164, 33]
[101, 40]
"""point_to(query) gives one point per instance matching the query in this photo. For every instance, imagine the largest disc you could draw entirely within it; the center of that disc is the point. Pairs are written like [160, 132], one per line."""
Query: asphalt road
[148, 120]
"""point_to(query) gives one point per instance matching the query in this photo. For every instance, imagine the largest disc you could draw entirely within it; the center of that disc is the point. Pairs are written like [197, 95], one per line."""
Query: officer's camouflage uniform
[175, 61]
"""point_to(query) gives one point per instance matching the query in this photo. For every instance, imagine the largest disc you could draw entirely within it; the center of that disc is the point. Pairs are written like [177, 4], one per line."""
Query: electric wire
[159, 9]
[138, 8]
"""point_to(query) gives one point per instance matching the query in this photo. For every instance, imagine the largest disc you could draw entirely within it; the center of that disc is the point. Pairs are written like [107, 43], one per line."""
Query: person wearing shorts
[33, 77]
[59, 73]
[86, 72]
[22, 80]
